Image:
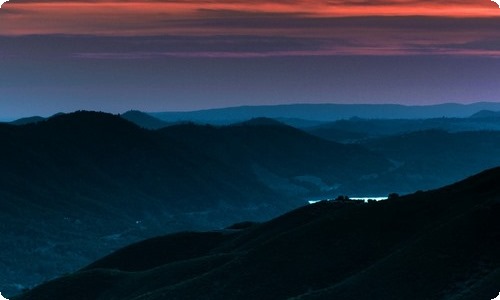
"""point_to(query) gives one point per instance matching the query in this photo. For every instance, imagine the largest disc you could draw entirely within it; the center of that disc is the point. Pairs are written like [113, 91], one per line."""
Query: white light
[497, 298]
[498, 3]
[353, 198]
[2, 297]
[369, 198]
[1, 3]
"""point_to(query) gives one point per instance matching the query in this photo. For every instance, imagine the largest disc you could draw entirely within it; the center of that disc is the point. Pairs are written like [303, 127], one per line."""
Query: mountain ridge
[326, 112]
[293, 159]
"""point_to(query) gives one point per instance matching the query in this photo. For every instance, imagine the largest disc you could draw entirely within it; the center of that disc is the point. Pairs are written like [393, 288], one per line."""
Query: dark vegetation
[357, 129]
[441, 244]
[284, 158]
[426, 153]
[80, 185]
[28, 120]
[144, 120]
[486, 114]
[433, 158]
[77, 186]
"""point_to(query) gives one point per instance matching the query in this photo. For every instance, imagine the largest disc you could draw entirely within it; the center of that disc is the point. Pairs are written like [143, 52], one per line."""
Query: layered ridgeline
[427, 153]
[328, 112]
[285, 159]
[441, 244]
[356, 129]
[77, 186]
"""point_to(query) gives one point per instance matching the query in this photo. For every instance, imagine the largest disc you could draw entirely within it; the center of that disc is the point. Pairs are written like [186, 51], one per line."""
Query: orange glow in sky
[185, 17]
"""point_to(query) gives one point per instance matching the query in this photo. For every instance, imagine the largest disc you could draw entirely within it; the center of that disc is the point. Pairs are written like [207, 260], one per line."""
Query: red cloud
[369, 27]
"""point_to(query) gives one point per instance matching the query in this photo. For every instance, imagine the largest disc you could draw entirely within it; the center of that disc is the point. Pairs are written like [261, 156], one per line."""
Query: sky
[160, 55]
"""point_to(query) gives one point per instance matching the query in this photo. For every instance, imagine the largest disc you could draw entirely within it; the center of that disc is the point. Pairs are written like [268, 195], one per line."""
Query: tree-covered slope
[77, 186]
[284, 158]
[441, 244]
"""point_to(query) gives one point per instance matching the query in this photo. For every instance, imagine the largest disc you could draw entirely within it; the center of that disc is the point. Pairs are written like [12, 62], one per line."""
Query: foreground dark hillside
[441, 244]
[77, 186]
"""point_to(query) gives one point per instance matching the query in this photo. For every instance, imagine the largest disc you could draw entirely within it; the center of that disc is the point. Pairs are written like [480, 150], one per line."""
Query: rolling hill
[441, 244]
[77, 186]
[80, 185]
[284, 158]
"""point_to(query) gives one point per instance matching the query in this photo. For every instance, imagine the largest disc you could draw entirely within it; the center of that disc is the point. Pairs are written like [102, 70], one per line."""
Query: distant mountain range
[326, 112]
[357, 129]
[441, 244]
[28, 120]
[486, 114]
[139, 118]
[318, 115]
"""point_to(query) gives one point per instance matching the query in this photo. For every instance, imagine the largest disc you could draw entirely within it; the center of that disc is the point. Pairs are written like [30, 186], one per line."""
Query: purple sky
[185, 55]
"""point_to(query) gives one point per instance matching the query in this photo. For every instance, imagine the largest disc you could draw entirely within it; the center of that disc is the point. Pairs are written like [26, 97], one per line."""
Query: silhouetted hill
[260, 122]
[441, 244]
[341, 135]
[326, 112]
[28, 120]
[486, 114]
[76, 186]
[80, 185]
[299, 123]
[285, 159]
[143, 120]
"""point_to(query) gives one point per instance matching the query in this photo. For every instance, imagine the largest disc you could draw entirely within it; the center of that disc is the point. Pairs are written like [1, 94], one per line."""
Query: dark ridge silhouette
[144, 120]
[175, 247]
[28, 120]
[486, 114]
[284, 158]
[260, 122]
[440, 244]
[299, 123]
